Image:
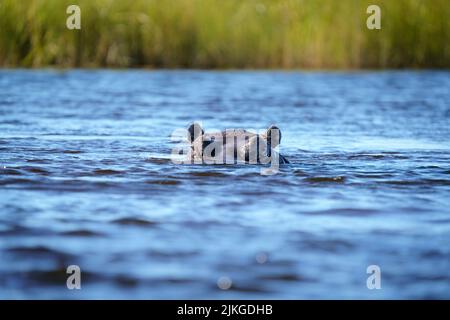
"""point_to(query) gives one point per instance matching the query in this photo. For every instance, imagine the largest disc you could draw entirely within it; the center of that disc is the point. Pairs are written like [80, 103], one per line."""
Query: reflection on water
[86, 179]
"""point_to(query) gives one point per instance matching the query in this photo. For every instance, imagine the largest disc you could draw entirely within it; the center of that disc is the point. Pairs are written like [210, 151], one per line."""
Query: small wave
[54, 276]
[434, 254]
[367, 156]
[21, 171]
[38, 161]
[337, 179]
[171, 254]
[17, 181]
[440, 221]
[429, 167]
[289, 277]
[157, 160]
[431, 182]
[300, 173]
[327, 245]
[104, 172]
[376, 156]
[163, 182]
[346, 212]
[82, 233]
[380, 175]
[15, 230]
[36, 170]
[126, 281]
[208, 174]
[39, 251]
[134, 221]
[248, 288]
[9, 171]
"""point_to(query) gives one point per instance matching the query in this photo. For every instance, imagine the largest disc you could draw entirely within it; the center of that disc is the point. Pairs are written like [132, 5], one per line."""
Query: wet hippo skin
[235, 145]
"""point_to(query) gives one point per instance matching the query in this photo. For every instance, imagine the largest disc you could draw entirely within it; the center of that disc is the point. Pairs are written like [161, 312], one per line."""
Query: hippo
[235, 146]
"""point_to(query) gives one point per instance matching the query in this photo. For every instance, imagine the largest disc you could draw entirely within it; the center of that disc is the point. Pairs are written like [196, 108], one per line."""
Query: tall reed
[225, 34]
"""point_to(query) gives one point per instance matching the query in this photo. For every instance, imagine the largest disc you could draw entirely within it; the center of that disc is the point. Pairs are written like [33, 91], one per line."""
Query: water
[86, 179]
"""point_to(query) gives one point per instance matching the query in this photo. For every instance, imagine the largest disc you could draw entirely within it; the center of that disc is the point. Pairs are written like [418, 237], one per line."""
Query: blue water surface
[87, 179]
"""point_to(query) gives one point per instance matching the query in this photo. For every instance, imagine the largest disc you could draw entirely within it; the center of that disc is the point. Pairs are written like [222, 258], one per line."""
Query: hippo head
[251, 148]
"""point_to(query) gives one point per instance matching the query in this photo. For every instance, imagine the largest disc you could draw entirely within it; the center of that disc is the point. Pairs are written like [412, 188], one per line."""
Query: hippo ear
[273, 135]
[195, 130]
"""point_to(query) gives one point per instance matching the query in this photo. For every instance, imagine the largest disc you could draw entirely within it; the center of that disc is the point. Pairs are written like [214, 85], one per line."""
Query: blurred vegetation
[225, 34]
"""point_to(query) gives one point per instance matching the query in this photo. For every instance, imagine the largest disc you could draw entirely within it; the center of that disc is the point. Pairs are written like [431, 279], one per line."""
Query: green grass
[225, 34]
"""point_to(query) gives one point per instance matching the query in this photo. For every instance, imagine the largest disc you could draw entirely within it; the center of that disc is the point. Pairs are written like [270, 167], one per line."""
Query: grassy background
[225, 34]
